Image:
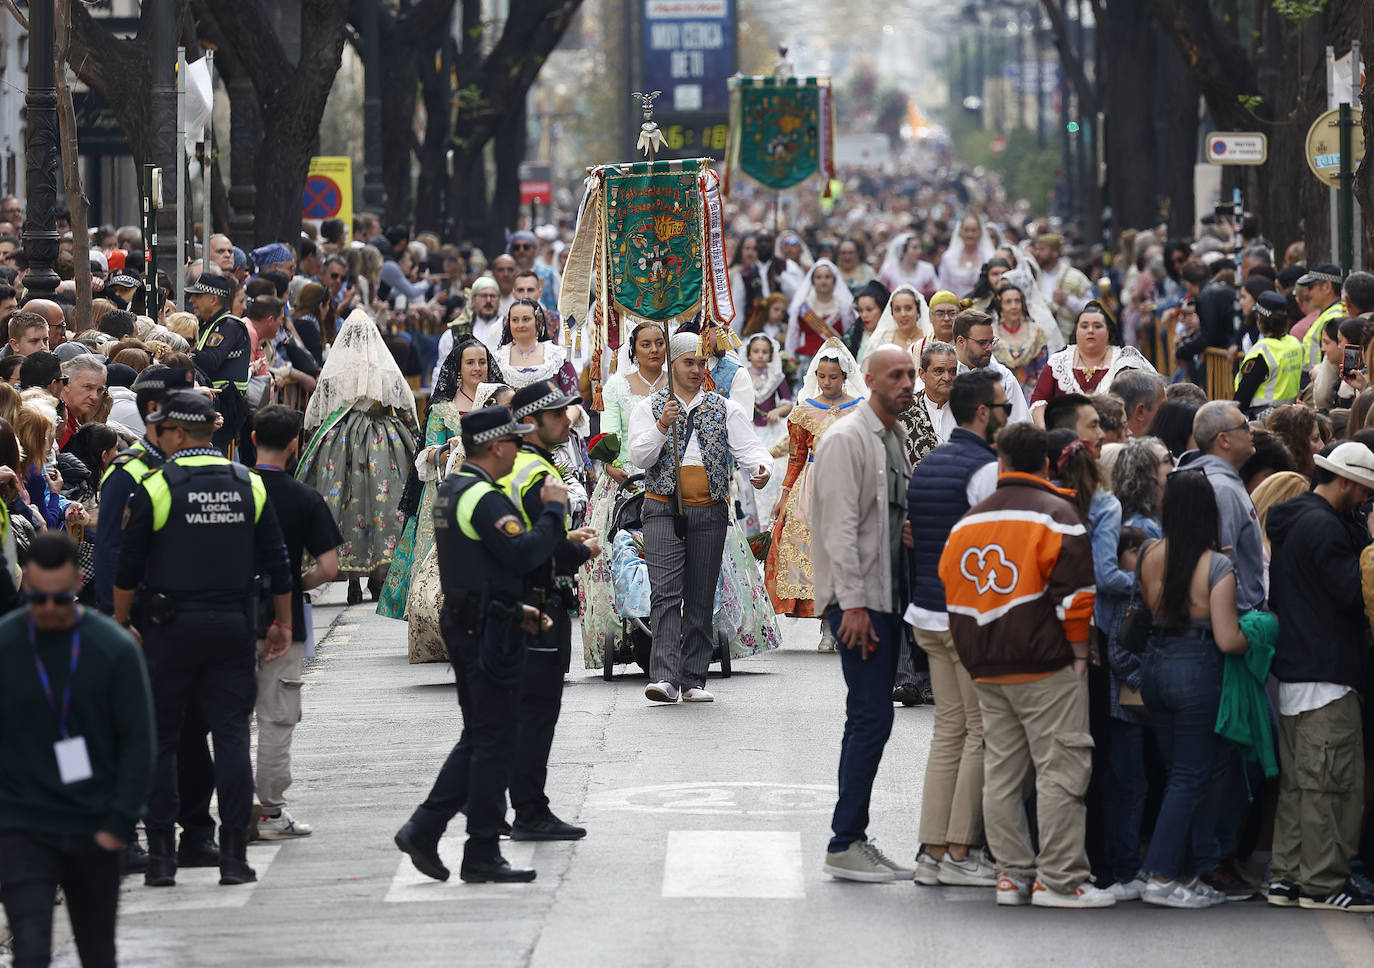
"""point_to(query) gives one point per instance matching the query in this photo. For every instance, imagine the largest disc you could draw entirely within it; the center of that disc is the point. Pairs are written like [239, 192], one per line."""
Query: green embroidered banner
[654, 240]
[780, 140]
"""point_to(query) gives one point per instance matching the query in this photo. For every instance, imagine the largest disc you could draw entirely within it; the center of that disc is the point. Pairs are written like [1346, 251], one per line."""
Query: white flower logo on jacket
[990, 571]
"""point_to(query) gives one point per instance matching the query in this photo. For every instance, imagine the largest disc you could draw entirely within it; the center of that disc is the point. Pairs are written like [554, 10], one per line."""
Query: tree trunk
[509, 151]
[433, 180]
[1128, 96]
[398, 116]
[290, 101]
[1177, 153]
[77, 202]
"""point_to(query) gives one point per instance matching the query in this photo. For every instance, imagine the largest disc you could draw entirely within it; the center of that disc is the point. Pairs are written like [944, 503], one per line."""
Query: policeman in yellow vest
[544, 407]
[485, 553]
[195, 534]
[1271, 373]
[1323, 282]
[195, 769]
[223, 351]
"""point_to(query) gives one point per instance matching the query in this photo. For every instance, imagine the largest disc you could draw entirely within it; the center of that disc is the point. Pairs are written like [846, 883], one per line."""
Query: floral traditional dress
[1023, 351]
[601, 624]
[789, 575]
[358, 461]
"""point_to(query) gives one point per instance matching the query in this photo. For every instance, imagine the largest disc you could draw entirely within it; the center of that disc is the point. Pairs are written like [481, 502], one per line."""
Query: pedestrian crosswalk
[197, 888]
[734, 863]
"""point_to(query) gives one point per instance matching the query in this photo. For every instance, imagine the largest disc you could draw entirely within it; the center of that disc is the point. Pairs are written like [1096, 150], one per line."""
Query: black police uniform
[195, 768]
[485, 552]
[223, 353]
[195, 534]
[550, 654]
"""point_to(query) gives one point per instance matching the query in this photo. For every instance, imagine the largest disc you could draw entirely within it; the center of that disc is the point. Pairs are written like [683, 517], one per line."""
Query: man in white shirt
[973, 342]
[684, 539]
[484, 324]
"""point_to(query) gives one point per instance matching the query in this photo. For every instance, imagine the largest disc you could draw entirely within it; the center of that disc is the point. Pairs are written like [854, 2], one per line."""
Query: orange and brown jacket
[1018, 575]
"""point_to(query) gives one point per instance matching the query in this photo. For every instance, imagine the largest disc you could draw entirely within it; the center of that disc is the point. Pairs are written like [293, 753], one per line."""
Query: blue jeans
[1182, 689]
[1125, 792]
[867, 722]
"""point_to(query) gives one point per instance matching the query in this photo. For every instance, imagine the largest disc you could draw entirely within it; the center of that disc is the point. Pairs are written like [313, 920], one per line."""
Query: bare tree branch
[14, 9]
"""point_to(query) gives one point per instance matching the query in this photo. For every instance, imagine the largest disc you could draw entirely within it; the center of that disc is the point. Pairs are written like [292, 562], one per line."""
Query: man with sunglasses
[523, 247]
[76, 758]
[200, 540]
[485, 554]
[973, 342]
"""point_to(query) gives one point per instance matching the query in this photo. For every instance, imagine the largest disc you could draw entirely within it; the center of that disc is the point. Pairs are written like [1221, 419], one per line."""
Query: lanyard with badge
[73, 761]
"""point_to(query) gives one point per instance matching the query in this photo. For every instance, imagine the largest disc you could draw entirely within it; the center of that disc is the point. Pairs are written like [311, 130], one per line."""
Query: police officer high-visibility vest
[529, 465]
[205, 510]
[1284, 356]
[1312, 339]
[134, 460]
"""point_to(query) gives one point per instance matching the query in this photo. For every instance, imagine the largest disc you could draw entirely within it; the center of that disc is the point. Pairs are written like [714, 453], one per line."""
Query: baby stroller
[630, 577]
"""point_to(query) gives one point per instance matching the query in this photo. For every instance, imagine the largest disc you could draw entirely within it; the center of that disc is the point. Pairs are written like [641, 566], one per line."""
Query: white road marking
[409, 885]
[1348, 936]
[197, 888]
[733, 863]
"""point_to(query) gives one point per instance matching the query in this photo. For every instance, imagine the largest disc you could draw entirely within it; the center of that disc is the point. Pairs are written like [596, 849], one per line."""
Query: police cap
[211, 284]
[184, 407]
[125, 279]
[164, 379]
[491, 423]
[539, 396]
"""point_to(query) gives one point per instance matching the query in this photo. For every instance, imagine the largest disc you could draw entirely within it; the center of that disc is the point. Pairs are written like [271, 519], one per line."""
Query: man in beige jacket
[858, 505]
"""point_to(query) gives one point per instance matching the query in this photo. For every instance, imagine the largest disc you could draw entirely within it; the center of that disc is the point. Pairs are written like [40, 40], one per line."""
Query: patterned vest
[711, 437]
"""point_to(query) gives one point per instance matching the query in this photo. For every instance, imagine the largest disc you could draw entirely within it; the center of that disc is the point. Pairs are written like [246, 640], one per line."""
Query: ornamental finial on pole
[650, 138]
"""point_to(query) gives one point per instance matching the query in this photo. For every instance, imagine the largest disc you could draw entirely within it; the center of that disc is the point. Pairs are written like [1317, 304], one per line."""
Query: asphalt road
[707, 825]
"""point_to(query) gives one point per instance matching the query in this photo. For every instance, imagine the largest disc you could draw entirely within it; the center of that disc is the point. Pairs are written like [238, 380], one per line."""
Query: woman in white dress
[905, 322]
[641, 373]
[904, 265]
[963, 260]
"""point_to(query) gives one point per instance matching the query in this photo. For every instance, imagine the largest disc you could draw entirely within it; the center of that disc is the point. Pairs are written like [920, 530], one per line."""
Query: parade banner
[782, 130]
[649, 245]
[654, 240]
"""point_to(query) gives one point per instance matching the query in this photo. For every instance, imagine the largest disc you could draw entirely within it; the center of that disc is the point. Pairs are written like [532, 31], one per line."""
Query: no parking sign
[329, 191]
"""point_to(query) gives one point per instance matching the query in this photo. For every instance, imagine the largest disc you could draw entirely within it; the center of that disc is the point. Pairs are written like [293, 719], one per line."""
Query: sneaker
[899, 872]
[1085, 895]
[925, 690]
[1013, 891]
[1229, 884]
[1128, 890]
[906, 695]
[661, 692]
[1209, 893]
[827, 643]
[975, 870]
[857, 863]
[927, 868]
[1348, 898]
[697, 694]
[1174, 894]
[282, 827]
[1283, 894]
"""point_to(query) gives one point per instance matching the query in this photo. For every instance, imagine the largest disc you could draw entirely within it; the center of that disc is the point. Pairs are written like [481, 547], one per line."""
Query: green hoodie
[1243, 716]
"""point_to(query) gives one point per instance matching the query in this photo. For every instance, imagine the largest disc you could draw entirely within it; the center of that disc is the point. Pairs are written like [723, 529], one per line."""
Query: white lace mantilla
[517, 376]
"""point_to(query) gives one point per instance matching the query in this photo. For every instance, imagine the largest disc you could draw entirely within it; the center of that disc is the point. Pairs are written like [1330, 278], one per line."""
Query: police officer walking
[544, 407]
[195, 533]
[485, 551]
[222, 352]
[195, 769]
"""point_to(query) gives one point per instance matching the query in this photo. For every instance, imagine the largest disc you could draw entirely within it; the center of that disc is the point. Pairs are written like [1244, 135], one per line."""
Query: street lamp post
[42, 154]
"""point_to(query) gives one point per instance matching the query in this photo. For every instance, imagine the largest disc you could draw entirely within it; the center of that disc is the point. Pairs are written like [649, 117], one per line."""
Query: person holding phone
[1271, 373]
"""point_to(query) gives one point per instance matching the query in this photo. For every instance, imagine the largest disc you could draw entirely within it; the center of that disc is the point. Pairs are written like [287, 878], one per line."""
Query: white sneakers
[1085, 895]
[1176, 894]
[1128, 890]
[975, 870]
[667, 692]
[282, 827]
